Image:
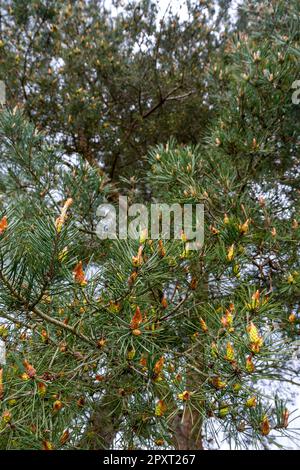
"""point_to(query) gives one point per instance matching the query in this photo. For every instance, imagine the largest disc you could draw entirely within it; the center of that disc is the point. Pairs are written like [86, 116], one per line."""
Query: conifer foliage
[144, 343]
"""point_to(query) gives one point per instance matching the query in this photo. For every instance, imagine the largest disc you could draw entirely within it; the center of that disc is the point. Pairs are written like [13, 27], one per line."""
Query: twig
[38, 312]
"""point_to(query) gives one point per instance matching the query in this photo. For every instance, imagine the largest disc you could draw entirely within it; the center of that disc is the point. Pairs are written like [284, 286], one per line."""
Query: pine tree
[144, 343]
[107, 84]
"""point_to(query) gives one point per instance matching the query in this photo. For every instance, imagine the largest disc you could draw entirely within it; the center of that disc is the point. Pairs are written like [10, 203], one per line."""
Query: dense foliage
[145, 343]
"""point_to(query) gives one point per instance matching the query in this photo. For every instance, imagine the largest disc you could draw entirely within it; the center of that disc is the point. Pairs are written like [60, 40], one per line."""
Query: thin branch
[39, 313]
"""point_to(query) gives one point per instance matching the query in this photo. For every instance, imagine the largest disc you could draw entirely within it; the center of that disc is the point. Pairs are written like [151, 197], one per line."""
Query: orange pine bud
[249, 365]
[25, 376]
[101, 343]
[161, 249]
[218, 383]
[132, 278]
[160, 408]
[230, 252]
[178, 378]
[159, 366]
[64, 437]
[256, 340]
[143, 361]
[195, 335]
[214, 230]
[203, 326]
[159, 442]
[45, 336]
[255, 347]
[184, 396]
[244, 227]
[6, 416]
[255, 301]
[81, 402]
[47, 445]
[214, 349]
[253, 333]
[285, 418]
[138, 260]
[42, 389]
[227, 320]
[164, 302]
[292, 318]
[57, 405]
[79, 274]
[63, 347]
[136, 319]
[63, 215]
[3, 225]
[265, 426]
[229, 352]
[136, 332]
[30, 370]
[256, 296]
[99, 378]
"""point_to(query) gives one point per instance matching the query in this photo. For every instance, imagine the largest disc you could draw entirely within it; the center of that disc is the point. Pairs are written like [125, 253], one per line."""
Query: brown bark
[102, 428]
[187, 431]
[187, 427]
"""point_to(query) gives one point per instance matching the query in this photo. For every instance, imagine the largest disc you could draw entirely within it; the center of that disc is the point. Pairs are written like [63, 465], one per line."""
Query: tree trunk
[102, 428]
[187, 428]
[187, 431]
